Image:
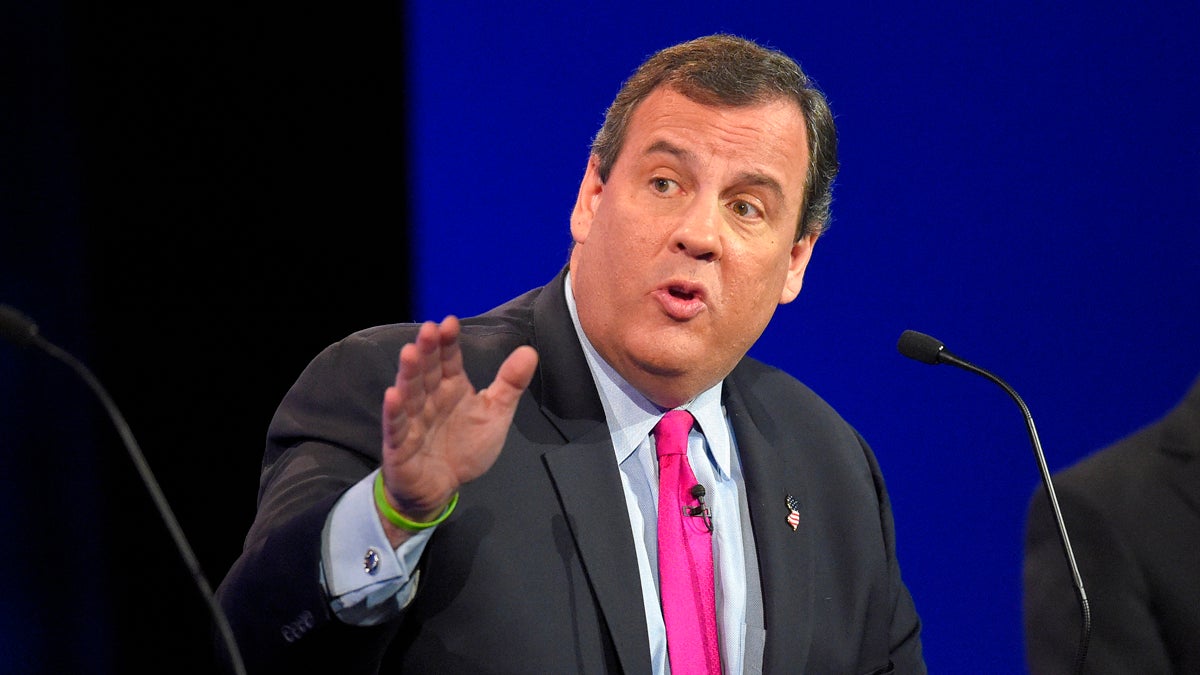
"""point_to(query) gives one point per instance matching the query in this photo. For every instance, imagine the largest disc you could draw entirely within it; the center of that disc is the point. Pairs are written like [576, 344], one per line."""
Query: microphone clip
[701, 510]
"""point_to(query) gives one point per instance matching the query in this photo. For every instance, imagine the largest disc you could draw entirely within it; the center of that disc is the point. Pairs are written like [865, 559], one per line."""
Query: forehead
[769, 137]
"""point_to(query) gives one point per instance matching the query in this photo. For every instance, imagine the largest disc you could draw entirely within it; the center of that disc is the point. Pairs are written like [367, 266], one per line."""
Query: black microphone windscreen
[17, 327]
[697, 491]
[920, 347]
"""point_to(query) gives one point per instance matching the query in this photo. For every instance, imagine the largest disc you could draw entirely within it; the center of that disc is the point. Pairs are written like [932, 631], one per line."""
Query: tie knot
[671, 433]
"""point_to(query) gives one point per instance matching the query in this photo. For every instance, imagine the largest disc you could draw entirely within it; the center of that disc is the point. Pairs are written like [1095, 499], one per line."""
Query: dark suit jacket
[535, 571]
[1132, 512]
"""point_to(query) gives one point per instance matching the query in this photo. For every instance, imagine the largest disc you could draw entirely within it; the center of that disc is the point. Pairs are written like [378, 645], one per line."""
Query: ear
[801, 254]
[590, 190]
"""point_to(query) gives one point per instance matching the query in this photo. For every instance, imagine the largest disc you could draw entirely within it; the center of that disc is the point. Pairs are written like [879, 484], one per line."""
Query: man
[410, 523]
[1133, 513]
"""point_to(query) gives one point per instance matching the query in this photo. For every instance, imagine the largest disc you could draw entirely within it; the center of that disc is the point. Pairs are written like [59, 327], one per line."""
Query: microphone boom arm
[926, 349]
[18, 328]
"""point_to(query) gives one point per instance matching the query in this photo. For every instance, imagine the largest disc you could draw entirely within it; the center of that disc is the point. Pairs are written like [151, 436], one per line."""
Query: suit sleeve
[905, 647]
[324, 437]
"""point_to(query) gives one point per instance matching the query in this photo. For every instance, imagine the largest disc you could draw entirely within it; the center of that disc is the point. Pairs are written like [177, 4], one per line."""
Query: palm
[438, 432]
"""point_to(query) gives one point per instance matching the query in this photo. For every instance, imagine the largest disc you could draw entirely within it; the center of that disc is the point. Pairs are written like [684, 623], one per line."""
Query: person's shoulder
[512, 318]
[1117, 461]
[385, 338]
[1116, 478]
[799, 421]
[774, 388]
[765, 377]
[1155, 447]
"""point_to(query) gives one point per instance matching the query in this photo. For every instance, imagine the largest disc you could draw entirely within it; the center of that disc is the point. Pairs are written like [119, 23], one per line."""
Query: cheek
[761, 274]
[624, 231]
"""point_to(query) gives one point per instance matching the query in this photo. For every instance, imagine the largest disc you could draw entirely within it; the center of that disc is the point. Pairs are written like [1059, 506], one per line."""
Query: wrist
[391, 515]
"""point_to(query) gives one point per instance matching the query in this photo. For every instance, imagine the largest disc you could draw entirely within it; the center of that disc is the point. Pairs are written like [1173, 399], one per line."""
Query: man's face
[681, 257]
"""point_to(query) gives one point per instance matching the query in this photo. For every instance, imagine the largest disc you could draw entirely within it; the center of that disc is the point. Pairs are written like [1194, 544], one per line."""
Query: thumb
[514, 376]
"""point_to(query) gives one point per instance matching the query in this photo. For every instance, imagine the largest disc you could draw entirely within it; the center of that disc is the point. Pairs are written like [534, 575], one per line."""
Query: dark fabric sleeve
[905, 636]
[324, 437]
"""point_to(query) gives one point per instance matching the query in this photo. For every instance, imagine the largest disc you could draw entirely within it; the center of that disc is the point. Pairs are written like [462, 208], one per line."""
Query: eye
[662, 185]
[745, 209]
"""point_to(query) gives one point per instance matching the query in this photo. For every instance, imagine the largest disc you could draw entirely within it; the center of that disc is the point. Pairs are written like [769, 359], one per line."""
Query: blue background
[1020, 180]
[195, 200]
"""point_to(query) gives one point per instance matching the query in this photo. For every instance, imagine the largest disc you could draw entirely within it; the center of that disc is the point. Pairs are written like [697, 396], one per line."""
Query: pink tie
[685, 564]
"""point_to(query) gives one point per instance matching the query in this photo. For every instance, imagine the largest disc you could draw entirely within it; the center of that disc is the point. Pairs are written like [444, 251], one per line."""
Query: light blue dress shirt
[353, 533]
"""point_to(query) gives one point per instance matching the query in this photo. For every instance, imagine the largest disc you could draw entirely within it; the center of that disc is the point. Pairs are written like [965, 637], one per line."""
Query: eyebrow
[670, 149]
[746, 177]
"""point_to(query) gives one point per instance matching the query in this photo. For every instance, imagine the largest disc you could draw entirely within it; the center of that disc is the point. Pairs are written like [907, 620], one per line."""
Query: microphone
[22, 331]
[16, 327]
[697, 491]
[926, 349]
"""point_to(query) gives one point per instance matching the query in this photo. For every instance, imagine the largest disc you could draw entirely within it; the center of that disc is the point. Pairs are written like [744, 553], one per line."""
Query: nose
[699, 232]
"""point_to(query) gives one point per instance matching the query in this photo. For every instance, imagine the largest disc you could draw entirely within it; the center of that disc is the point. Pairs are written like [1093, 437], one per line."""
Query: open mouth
[681, 301]
[681, 293]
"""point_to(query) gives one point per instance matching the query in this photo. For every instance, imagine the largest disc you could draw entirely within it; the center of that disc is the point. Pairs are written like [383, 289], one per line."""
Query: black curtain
[195, 200]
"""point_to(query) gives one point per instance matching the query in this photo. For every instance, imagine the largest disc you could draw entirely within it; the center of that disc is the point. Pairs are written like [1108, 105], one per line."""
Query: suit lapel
[585, 474]
[784, 556]
[589, 486]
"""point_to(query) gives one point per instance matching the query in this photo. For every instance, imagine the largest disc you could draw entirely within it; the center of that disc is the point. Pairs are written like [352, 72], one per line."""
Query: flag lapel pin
[793, 518]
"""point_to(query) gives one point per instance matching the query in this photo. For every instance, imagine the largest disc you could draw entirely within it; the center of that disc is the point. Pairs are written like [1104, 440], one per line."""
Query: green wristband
[393, 516]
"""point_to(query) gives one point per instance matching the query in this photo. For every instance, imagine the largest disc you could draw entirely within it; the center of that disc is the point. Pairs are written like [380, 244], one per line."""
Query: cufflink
[371, 561]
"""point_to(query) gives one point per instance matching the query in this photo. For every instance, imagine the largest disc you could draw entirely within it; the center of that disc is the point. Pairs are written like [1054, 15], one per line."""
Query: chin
[659, 367]
[667, 355]
[675, 378]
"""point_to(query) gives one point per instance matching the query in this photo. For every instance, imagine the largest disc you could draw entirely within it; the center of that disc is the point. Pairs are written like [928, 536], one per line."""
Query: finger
[429, 353]
[449, 329]
[450, 350]
[410, 379]
[514, 377]
[395, 419]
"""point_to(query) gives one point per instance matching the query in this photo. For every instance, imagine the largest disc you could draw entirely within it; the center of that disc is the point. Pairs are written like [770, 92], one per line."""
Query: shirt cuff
[367, 580]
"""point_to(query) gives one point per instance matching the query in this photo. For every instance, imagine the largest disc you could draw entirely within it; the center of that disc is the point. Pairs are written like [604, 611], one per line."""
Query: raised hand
[438, 432]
